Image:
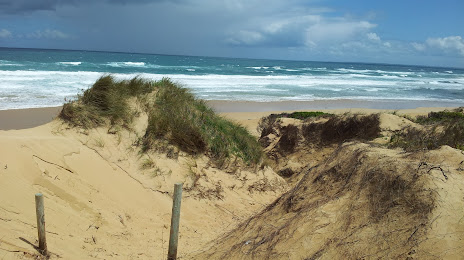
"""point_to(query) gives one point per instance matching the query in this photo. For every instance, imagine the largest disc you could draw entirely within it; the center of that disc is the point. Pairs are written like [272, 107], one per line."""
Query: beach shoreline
[246, 110]
[224, 106]
[15, 119]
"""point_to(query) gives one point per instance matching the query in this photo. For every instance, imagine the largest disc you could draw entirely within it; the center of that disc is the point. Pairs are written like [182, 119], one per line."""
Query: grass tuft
[189, 123]
[107, 99]
[305, 115]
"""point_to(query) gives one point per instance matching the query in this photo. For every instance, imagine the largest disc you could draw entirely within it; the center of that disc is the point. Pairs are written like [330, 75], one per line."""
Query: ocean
[43, 78]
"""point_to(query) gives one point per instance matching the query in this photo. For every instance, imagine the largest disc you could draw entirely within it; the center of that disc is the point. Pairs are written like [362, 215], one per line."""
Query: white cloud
[48, 34]
[336, 31]
[298, 30]
[246, 37]
[418, 46]
[4, 33]
[284, 24]
[373, 37]
[451, 44]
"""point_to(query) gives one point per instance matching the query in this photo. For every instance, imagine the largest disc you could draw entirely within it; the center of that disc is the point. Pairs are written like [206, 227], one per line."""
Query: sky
[416, 32]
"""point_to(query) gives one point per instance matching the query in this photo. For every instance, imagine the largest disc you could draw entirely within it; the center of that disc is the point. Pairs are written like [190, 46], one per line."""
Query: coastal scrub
[438, 128]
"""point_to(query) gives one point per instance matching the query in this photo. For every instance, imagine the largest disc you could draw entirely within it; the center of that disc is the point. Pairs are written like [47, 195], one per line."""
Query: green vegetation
[174, 115]
[439, 128]
[106, 100]
[440, 117]
[305, 115]
[302, 115]
[194, 127]
[148, 163]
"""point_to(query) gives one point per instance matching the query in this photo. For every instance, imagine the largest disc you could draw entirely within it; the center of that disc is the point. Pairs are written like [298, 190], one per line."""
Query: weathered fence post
[39, 209]
[174, 234]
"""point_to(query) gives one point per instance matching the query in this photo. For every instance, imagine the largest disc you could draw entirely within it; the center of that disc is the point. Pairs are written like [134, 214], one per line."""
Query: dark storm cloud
[27, 6]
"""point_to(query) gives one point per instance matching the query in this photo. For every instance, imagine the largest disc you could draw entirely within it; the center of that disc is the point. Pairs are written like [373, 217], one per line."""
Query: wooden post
[174, 234]
[39, 209]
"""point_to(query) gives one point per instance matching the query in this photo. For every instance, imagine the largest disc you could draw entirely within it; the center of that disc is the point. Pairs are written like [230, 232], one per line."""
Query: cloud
[27, 6]
[451, 44]
[290, 29]
[246, 37]
[284, 31]
[4, 33]
[297, 30]
[373, 37]
[20, 6]
[48, 34]
[336, 31]
[418, 46]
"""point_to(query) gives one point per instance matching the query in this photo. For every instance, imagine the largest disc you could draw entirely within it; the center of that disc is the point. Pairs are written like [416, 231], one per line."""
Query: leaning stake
[39, 209]
[174, 234]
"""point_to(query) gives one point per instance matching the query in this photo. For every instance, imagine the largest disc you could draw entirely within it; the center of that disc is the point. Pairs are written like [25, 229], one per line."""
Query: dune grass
[441, 117]
[339, 129]
[266, 124]
[107, 99]
[439, 128]
[308, 114]
[189, 123]
[174, 115]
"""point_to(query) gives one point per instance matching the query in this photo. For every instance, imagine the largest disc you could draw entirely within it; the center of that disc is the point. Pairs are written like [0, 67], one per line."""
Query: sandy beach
[27, 118]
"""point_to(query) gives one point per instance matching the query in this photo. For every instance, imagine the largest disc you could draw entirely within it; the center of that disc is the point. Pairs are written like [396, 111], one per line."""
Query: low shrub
[440, 128]
[440, 117]
[339, 129]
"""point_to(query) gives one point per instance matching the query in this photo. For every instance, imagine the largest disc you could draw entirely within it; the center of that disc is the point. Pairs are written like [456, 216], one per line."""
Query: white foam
[9, 63]
[22, 88]
[401, 73]
[73, 63]
[41, 88]
[315, 69]
[355, 71]
[126, 64]
[257, 68]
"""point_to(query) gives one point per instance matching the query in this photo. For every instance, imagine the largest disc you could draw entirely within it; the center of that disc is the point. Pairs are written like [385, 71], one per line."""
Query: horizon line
[226, 57]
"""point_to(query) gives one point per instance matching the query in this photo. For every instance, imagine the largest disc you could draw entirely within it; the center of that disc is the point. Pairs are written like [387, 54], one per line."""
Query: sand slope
[100, 203]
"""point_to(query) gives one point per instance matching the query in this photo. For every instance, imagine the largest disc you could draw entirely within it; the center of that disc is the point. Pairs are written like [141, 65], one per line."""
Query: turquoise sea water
[41, 78]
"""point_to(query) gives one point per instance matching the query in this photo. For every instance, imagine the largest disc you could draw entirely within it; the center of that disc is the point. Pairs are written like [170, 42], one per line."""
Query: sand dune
[101, 202]
[353, 200]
